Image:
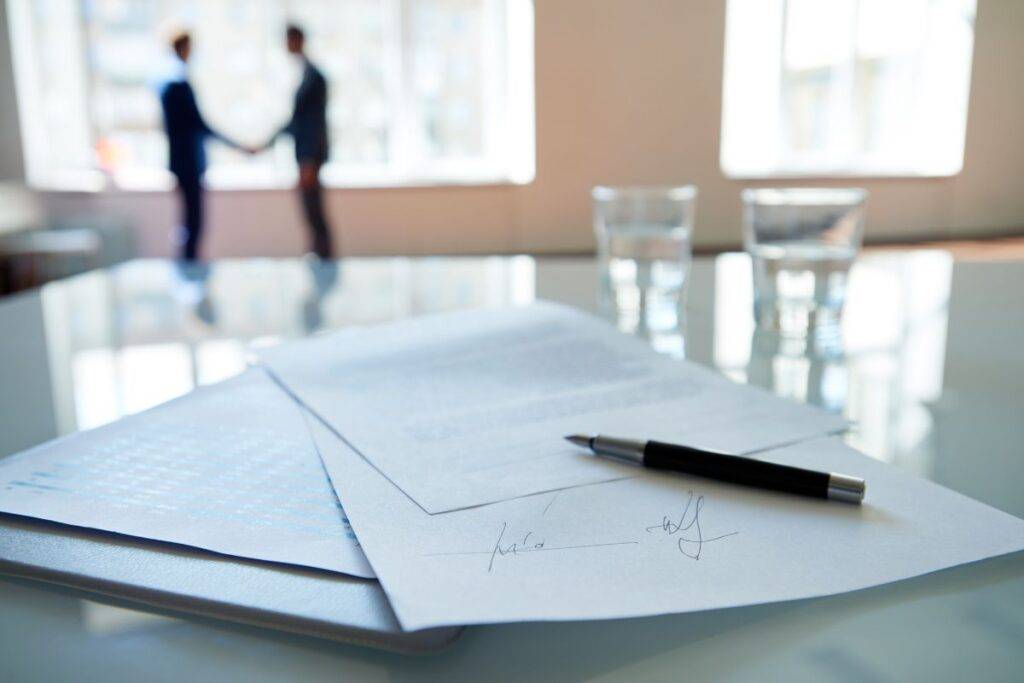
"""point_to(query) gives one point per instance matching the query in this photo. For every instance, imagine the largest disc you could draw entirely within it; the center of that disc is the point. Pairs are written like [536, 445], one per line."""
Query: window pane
[242, 83]
[889, 38]
[816, 52]
[446, 42]
[52, 104]
[835, 87]
[123, 56]
[349, 42]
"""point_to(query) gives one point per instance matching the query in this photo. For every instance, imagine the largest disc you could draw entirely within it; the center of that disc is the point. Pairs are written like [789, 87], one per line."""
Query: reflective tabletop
[927, 368]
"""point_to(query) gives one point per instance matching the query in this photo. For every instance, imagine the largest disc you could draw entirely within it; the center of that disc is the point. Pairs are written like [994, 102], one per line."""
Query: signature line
[534, 550]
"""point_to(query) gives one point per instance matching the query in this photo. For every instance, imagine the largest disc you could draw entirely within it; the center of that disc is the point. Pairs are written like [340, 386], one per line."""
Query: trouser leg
[191, 191]
[312, 204]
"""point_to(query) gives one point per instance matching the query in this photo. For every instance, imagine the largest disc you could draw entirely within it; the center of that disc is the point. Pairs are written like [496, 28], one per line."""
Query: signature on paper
[686, 528]
[528, 543]
[503, 548]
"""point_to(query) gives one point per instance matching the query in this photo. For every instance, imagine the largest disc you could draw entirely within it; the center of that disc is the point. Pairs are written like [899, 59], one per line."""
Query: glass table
[928, 370]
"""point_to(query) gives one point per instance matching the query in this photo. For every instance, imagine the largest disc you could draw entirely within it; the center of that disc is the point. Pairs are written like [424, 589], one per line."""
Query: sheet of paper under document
[657, 543]
[228, 468]
[468, 408]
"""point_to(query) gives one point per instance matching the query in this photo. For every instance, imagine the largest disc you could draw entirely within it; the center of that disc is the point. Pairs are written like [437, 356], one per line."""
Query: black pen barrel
[736, 469]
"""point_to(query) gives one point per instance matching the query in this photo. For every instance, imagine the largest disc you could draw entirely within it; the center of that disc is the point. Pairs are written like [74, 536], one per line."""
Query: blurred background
[479, 126]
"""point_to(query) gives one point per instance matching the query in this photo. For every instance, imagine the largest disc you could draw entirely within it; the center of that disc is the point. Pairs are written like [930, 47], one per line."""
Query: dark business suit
[308, 127]
[186, 135]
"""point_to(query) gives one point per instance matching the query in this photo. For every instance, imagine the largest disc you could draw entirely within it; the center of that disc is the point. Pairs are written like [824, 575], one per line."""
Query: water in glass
[802, 242]
[646, 272]
[799, 284]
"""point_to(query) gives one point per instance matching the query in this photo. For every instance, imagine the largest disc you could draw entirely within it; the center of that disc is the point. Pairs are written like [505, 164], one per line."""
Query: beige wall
[629, 92]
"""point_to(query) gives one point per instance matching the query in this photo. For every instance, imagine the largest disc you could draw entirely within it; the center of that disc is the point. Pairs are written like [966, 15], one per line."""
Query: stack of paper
[443, 439]
[229, 468]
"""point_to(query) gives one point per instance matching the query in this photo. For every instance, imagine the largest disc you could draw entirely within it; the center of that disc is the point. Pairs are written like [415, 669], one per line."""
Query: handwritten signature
[685, 529]
[514, 548]
[690, 540]
[529, 543]
[528, 546]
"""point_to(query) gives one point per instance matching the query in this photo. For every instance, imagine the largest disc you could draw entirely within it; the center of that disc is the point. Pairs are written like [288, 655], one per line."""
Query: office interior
[618, 95]
[466, 138]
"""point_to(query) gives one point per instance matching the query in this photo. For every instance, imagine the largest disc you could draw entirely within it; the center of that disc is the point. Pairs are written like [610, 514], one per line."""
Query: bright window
[846, 87]
[421, 91]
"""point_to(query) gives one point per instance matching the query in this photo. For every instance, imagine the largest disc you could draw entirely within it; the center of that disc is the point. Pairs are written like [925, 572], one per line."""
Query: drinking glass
[643, 240]
[802, 242]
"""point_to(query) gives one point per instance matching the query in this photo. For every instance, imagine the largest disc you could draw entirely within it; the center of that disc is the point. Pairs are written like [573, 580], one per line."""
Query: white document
[657, 543]
[229, 468]
[470, 408]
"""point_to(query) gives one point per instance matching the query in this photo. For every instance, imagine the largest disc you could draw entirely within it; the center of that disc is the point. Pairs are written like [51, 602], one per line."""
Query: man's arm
[199, 123]
[286, 129]
[292, 125]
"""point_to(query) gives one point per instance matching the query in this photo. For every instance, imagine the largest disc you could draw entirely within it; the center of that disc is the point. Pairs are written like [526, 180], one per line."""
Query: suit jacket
[186, 129]
[308, 125]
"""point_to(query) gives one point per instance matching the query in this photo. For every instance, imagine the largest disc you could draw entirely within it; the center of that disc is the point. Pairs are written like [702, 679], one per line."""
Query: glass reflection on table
[880, 369]
[124, 339]
[131, 337]
[928, 368]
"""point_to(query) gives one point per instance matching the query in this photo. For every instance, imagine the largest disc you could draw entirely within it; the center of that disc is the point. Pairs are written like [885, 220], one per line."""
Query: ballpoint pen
[729, 468]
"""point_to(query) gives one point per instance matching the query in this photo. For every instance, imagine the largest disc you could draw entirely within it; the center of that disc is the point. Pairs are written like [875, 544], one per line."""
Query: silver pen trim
[845, 488]
[626, 450]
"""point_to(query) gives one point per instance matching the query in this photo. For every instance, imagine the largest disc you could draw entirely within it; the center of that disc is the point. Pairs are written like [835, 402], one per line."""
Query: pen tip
[579, 440]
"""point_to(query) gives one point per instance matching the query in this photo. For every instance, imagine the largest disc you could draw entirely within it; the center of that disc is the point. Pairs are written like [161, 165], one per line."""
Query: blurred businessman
[308, 127]
[186, 136]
